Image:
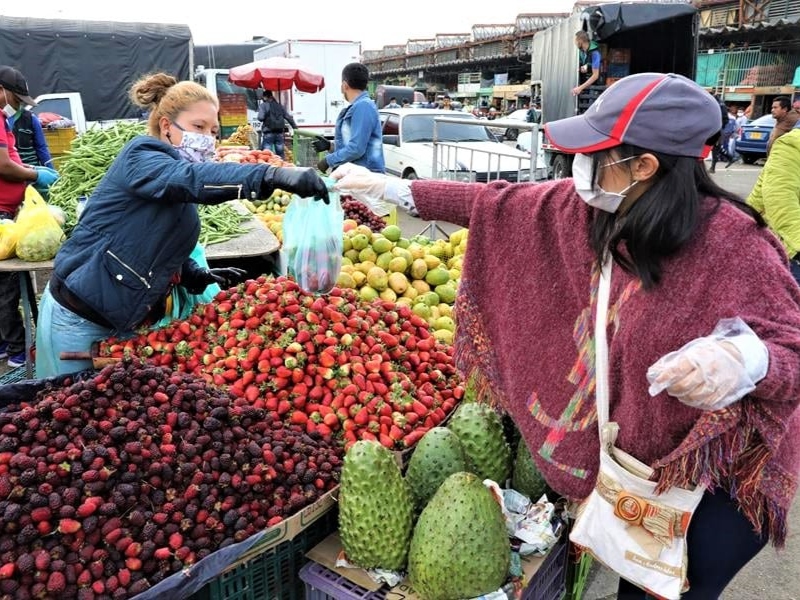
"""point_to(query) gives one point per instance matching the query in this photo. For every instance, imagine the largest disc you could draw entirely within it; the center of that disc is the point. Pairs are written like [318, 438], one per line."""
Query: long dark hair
[664, 218]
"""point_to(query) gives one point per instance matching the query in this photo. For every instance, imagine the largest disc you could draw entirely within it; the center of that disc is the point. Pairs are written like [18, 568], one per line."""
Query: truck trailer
[634, 37]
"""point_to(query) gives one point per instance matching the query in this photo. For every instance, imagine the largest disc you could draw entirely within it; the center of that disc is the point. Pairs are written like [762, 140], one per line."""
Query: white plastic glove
[712, 372]
[372, 188]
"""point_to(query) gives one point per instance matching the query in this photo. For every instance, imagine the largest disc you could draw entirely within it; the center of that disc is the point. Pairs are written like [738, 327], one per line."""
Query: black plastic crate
[271, 574]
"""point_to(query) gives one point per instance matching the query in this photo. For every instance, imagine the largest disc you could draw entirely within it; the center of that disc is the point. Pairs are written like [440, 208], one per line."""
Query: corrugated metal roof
[760, 26]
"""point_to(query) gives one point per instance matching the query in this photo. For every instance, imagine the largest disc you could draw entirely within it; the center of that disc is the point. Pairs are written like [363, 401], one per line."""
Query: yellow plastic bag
[9, 232]
[40, 236]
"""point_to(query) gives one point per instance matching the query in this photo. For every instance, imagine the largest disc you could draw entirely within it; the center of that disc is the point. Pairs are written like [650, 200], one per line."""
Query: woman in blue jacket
[133, 240]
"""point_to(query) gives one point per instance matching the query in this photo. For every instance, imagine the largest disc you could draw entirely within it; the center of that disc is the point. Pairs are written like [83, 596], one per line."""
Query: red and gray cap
[13, 81]
[660, 112]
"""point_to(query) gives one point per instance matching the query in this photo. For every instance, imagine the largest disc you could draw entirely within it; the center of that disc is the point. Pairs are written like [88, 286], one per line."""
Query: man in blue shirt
[31, 145]
[357, 137]
[589, 62]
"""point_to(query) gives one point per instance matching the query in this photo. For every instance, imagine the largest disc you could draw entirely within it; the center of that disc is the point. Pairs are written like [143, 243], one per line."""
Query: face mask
[590, 192]
[8, 110]
[196, 147]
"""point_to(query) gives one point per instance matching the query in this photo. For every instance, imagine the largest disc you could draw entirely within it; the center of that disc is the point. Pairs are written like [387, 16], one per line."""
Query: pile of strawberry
[109, 485]
[331, 364]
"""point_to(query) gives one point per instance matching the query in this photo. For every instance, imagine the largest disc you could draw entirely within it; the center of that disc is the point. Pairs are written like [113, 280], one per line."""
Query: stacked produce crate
[232, 113]
[58, 142]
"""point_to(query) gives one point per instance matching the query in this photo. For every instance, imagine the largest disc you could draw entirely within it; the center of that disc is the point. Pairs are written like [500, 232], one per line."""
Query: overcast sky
[374, 23]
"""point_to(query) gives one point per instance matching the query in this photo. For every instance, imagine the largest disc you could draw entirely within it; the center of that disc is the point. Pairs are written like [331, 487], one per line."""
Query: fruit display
[241, 136]
[418, 273]
[110, 484]
[357, 211]
[437, 456]
[278, 201]
[330, 363]
[243, 154]
[375, 508]
[460, 547]
[480, 431]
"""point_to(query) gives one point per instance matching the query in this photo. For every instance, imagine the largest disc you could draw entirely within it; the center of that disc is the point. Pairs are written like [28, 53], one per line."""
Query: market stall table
[258, 241]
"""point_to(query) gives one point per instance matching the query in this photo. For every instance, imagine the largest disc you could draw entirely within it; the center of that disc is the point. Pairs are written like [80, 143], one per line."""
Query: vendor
[642, 207]
[134, 238]
[588, 63]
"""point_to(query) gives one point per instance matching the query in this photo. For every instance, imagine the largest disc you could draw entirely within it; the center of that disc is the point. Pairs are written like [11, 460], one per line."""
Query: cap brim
[26, 100]
[576, 136]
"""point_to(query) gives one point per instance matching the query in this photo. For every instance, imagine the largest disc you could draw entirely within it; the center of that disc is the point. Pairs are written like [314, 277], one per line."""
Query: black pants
[721, 541]
[12, 331]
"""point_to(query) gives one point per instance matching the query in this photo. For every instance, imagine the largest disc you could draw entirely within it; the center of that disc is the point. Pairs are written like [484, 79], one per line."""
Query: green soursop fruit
[375, 508]
[460, 547]
[437, 456]
[527, 479]
[480, 432]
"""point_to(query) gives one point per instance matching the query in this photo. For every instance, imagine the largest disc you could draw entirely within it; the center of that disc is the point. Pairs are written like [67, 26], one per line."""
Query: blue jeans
[794, 265]
[273, 140]
[61, 330]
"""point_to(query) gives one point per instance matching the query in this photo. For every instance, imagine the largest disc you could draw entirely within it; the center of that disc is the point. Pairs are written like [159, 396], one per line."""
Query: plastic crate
[322, 583]
[549, 582]
[59, 140]
[303, 152]
[271, 574]
[13, 376]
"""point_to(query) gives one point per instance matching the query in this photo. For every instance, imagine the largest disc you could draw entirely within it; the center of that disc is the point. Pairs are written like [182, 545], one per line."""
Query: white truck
[315, 113]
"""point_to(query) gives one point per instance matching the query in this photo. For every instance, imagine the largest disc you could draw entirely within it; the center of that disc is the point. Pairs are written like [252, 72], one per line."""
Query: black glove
[323, 166]
[321, 144]
[302, 181]
[196, 282]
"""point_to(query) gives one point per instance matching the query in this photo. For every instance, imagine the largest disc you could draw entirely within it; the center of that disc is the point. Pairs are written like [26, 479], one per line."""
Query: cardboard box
[619, 55]
[325, 553]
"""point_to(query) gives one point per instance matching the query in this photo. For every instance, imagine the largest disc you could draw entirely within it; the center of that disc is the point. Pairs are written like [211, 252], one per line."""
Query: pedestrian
[406, 103]
[273, 116]
[132, 244]
[357, 135]
[720, 149]
[776, 195]
[786, 118]
[29, 137]
[589, 61]
[641, 204]
[447, 103]
[14, 178]
[393, 103]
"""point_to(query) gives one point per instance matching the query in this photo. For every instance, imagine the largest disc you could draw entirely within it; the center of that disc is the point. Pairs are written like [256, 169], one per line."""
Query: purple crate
[324, 584]
[550, 581]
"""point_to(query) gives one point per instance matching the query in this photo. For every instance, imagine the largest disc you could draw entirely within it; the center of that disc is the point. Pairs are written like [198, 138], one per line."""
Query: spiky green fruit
[480, 432]
[460, 547]
[375, 508]
[527, 479]
[437, 456]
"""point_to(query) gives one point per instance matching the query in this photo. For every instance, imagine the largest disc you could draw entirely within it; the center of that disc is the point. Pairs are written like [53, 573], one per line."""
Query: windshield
[226, 87]
[419, 128]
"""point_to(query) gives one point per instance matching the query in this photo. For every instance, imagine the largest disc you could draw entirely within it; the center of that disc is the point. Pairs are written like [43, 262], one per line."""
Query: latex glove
[323, 166]
[712, 372]
[359, 182]
[320, 144]
[45, 177]
[303, 181]
[198, 281]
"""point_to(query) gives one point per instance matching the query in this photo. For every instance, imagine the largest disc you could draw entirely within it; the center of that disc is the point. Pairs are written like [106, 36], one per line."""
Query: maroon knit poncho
[525, 313]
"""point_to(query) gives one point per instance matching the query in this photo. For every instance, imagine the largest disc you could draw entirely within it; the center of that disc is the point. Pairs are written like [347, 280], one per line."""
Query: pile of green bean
[88, 159]
[220, 223]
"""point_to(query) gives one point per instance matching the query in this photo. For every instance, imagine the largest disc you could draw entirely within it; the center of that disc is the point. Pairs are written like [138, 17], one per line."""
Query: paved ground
[770, 576]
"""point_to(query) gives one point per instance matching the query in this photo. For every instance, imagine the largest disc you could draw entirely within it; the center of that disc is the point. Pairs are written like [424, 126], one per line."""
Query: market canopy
[277, 74]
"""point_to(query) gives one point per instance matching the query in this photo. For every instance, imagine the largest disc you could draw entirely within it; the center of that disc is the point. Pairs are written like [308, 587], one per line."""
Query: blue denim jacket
[141, 225]
[358, 137]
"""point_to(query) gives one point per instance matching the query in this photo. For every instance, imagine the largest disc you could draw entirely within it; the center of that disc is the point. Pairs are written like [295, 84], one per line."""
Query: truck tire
[511, 134]
[562, 167]
[410, 174]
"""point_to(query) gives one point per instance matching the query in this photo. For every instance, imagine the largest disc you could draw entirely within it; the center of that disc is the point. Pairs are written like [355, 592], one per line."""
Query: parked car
[512, 133]
[468, 151]
[751, 144]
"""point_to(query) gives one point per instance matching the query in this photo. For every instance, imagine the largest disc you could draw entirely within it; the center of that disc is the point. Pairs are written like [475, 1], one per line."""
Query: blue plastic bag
[312, 243]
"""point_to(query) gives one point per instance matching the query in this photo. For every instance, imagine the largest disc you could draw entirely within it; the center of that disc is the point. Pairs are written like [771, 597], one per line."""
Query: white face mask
[8, 110]
[592, 193]
[196, 147]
